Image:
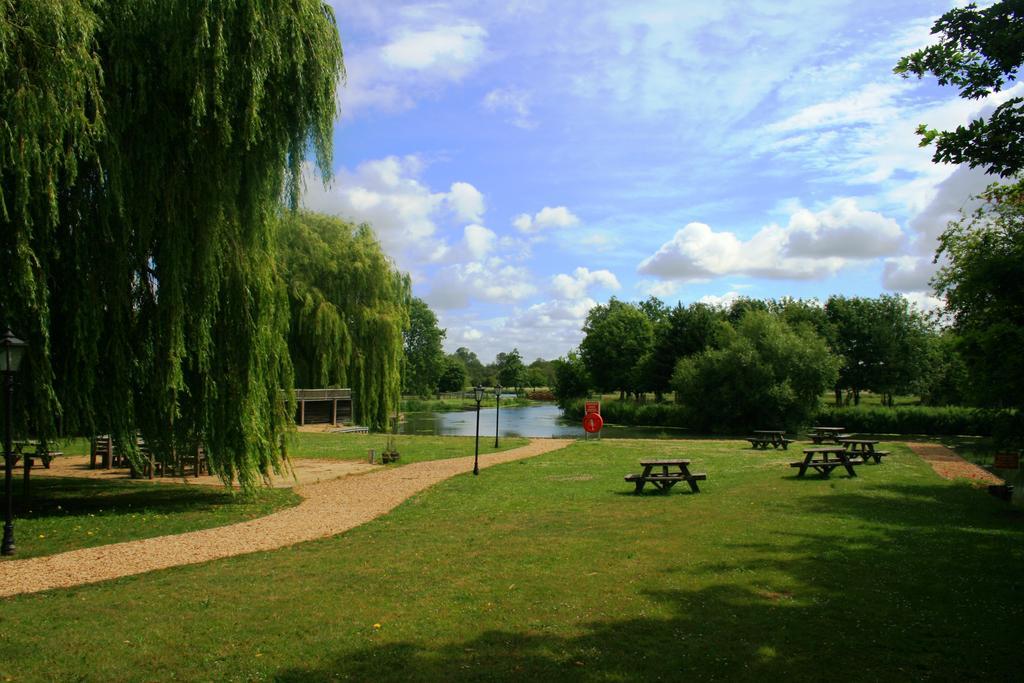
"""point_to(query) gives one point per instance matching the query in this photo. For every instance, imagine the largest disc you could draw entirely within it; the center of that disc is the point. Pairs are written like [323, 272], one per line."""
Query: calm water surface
[535, 421]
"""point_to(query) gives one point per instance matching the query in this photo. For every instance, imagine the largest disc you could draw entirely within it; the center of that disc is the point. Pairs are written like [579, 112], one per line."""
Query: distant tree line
[763, 361]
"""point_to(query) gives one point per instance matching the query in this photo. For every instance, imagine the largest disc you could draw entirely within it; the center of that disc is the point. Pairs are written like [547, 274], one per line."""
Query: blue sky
[524, 160]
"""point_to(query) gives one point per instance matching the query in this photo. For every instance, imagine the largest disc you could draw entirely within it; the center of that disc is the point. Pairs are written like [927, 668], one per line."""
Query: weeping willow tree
[146, 149]
[349, 308]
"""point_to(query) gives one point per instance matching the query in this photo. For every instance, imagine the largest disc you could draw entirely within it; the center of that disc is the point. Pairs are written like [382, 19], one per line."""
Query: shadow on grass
[928, 588]
[69, 496]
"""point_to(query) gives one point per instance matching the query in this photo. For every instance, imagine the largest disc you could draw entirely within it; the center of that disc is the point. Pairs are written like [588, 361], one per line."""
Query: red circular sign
[592, 423]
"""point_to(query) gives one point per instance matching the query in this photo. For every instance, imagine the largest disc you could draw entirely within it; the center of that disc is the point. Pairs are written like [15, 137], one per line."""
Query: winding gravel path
[328, 508]
[949, 465]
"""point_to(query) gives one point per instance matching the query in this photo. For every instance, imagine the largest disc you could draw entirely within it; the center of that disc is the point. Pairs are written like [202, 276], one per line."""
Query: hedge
[927, 420]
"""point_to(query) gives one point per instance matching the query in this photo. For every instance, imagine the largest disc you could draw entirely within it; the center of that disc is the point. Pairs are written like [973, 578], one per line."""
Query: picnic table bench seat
[657, 472]
[666, 481]
[821, 438]
[763, 442]
[877, 455]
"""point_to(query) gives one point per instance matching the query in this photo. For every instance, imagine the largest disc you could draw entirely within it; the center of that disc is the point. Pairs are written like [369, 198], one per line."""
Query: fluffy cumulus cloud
[950, 199]
[479, 241]
[466, 202]
[576, 285]
[843, 230]
[545, 329]
[813, 245]
[455, 286]
[548, 218]
[404, 212]
[720, 300]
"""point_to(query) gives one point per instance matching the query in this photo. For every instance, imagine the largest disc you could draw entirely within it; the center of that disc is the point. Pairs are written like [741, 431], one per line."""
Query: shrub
[763, 374]
[934, 421]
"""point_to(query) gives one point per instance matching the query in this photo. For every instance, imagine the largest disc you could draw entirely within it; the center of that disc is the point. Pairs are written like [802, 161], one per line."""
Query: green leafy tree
[474, 368]
[682, 331]
[147, 146]
[541, 373]
[945, 380]
[349, 308]
[882, 342]
[571, 379]
[453, 375]
[535, 377]
[761, 374]
[984, 294]
[979, 51]
[424, 357]
[511, 371]
[616, 337]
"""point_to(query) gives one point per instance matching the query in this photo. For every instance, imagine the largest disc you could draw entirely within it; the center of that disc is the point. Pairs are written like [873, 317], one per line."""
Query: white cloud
[514, 102]
[908, 273]
[843, 230]
[548, 218]
[403, 211]
[479, 241]
[466, 202]
[456, 285]
[723, 301]
[453, 48]
[576, 285]
[925, 301]
[424, 52]
[811, 246]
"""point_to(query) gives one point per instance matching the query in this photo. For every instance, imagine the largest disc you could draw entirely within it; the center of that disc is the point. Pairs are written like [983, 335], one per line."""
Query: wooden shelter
[323, 406]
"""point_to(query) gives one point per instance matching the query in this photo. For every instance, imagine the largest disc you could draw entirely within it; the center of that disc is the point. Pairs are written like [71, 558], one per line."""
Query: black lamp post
[478, 395]
[497, 412]
[11, 351]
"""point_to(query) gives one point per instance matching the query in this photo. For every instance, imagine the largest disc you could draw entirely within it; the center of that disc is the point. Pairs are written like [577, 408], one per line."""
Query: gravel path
[949, 465]
[328, 508]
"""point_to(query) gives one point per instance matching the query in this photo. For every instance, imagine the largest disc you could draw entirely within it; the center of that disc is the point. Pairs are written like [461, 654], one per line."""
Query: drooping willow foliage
[145, 148]
[349, 308]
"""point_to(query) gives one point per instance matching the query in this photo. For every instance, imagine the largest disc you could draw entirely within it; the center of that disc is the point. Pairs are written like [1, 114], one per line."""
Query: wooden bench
[830, 438]
[666, 481]
[763, 443]
[877, 455]
[825, 464]
[46, 457]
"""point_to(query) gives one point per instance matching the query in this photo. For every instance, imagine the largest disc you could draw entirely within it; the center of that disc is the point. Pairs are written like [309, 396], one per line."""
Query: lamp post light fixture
[11, 351]
[497, 412]
[478, 395]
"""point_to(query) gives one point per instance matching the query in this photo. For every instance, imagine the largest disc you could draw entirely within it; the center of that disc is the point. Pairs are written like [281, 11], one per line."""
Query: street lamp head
[478, 393]
[497, 391]
[11, 351]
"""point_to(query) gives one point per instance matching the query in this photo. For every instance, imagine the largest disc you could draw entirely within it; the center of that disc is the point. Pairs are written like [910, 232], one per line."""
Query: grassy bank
[420, 405]
[411, 448]
[69, 513]
[550, 569]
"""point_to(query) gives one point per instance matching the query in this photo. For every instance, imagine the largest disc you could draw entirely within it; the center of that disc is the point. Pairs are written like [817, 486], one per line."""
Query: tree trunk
[839, 396]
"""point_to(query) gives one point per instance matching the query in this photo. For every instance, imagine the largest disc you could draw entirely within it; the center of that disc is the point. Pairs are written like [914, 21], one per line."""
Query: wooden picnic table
[763, 438]
[671, 472]
[822, 434]
[825, 459]
[865, 448]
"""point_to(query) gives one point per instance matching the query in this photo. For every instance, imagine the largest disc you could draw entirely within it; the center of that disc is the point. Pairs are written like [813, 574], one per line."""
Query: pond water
[536, 421]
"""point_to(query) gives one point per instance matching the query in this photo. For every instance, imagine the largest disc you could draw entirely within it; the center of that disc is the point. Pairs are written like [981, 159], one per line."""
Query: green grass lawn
[70, 513]
[411, 448]
[550, 569]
